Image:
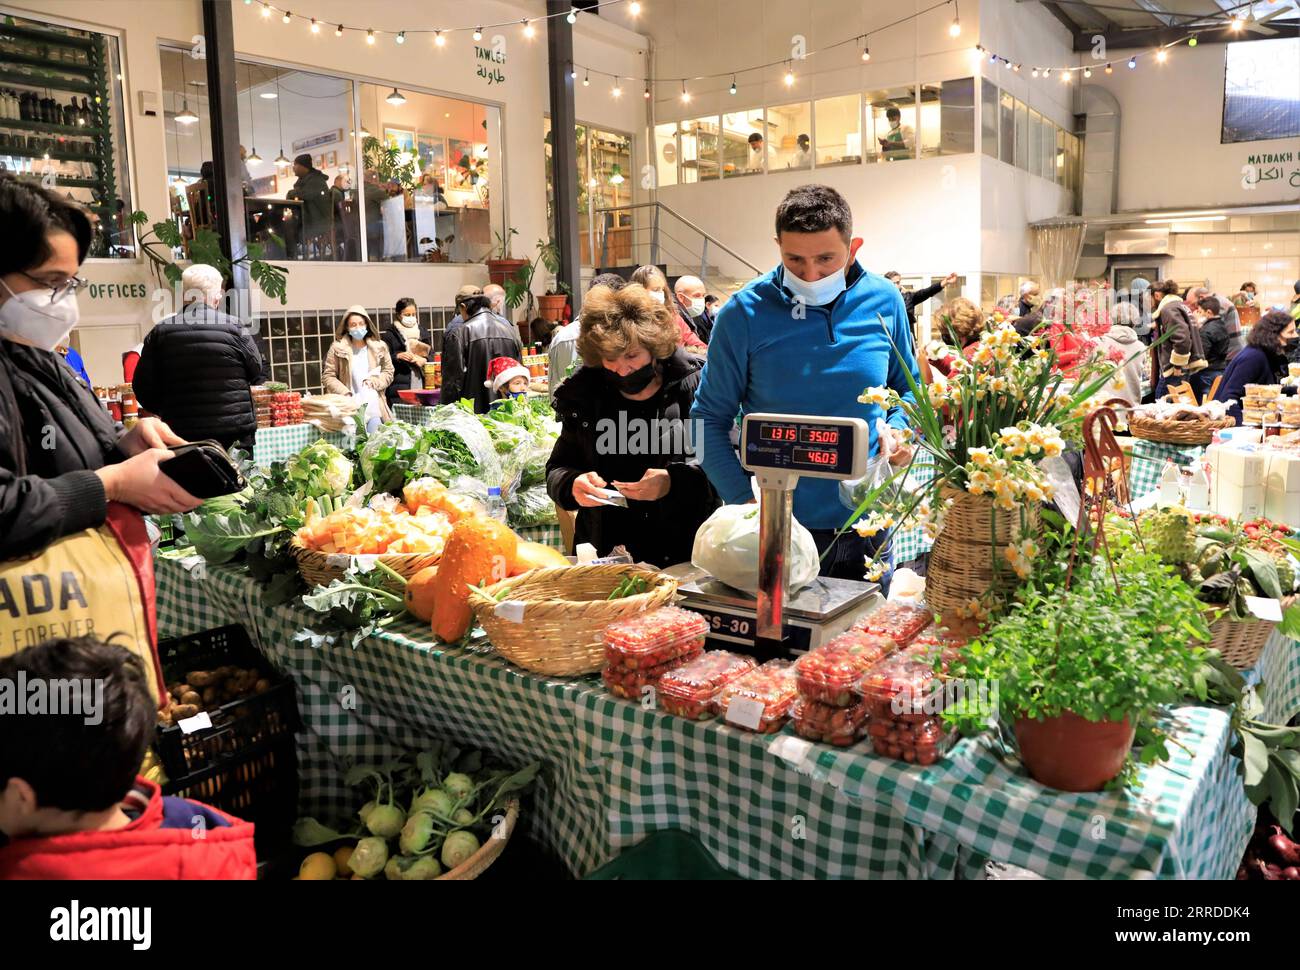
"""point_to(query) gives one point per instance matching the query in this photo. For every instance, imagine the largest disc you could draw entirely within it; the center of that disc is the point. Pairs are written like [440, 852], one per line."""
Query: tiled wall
[1269, 259]
[294, 344]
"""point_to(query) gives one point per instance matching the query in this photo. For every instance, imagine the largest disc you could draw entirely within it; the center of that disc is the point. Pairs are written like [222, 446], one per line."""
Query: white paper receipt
[198, 722]
[512, 611]
[746, 712]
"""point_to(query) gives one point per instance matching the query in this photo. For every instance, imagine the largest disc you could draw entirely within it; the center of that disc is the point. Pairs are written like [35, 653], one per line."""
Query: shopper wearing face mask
[625, 459]
[409, 345]
[358, 365]
[1262, 361]
[689, 291]
[61, 459]
[808, 338]
[656, 284]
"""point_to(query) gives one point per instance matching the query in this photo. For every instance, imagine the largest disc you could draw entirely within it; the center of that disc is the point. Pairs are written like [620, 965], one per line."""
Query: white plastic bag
[726, 547]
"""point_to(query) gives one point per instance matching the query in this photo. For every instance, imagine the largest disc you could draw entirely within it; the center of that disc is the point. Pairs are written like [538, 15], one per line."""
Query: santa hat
[502, 370]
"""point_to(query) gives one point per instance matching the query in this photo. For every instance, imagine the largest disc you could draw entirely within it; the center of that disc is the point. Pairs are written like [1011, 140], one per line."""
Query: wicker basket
[961, 566]
[1240, 642]
[488, 852]
[321, 568]
[1198, 432]
[564, 615]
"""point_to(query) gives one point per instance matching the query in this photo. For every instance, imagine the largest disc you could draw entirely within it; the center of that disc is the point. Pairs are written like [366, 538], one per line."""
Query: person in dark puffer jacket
[71, 803]
[626, 425]
[197, 365]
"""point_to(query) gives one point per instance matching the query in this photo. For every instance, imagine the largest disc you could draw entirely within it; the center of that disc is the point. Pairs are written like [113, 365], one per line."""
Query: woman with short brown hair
[625, 459]
[656, 284]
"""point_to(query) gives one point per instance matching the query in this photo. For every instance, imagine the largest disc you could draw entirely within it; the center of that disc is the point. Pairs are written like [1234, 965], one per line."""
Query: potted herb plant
[501, 265]
[1081, 672]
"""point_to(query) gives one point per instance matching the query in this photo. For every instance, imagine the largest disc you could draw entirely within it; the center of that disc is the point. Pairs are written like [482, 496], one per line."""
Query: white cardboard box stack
[1245, 484]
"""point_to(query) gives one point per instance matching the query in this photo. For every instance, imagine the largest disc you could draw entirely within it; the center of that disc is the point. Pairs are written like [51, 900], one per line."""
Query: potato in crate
[245, 762]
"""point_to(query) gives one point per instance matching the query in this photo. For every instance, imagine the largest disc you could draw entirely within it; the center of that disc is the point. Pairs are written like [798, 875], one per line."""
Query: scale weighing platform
[780, 449]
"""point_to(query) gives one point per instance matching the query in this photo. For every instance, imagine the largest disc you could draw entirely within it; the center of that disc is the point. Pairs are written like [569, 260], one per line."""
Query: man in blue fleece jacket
[807, 338]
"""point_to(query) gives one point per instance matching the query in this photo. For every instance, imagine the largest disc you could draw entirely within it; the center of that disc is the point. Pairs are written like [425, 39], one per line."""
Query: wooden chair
[1214, 388]
[1181, 393]
[568, 523]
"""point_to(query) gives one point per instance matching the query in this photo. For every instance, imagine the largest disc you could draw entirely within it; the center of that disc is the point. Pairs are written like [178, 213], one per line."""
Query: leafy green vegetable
[320, 469]
[220, 536]
[359, 602]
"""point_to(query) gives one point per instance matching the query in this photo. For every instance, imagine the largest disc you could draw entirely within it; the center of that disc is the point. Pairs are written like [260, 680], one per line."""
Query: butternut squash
[480, 550]
[535, 555]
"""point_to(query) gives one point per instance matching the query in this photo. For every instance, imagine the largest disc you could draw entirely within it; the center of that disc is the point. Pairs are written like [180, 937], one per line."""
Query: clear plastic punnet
[761, 699]
[629, 682]
[689, 690]
[829, 673]
[840, 726]
[898, 621]
[654, 638]
[899, 688]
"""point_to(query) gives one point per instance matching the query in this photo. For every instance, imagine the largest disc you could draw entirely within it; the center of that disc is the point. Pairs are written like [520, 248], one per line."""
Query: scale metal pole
[776, 507]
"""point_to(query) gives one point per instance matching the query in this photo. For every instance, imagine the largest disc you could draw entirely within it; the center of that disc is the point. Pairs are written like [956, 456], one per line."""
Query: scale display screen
[806, 448]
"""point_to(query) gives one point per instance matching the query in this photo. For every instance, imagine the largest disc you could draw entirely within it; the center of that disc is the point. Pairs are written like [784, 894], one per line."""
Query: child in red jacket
[75, 720]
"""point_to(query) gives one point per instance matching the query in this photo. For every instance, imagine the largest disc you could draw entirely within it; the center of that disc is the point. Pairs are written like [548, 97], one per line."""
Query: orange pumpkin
[480, 550]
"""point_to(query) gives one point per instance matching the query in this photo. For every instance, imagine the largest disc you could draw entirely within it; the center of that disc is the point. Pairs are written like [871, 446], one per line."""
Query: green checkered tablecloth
[616, 771]
[281, 444]
[1148, 463]
[547, 535]
[413, 414]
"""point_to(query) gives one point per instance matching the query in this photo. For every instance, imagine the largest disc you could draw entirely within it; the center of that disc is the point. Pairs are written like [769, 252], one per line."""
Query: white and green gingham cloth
[281, 444]
[615, 771]
[1148, 463]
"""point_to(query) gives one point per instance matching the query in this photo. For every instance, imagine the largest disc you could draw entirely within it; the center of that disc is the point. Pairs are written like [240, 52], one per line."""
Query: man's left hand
[148, 433]
[949, 280]
[654, 485]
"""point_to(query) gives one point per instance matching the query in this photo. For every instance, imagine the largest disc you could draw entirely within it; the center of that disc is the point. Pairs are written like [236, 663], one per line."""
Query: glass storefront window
[956, 116]
[1047, 156]
[838, 123]
[1022, 135]
[739, 155]
[431, 168]
[1062, 169]
[1035, 142]
[891, 117]
[609, 188]
[666, 154]
[286, 118]
[1007, 128]
[789, 129]
[989, 119]
[65, 126]
[699, 145]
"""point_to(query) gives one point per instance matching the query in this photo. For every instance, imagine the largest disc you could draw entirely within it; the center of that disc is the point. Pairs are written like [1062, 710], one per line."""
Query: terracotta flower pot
[1069, 753]
[550, 306]
[500, 270]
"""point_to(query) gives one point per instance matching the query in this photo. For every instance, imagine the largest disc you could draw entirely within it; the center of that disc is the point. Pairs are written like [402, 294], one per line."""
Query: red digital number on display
[810, 456]
[778, 433]
[812, 436]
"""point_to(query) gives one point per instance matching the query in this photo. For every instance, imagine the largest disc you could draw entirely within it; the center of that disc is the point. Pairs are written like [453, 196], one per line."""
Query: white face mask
[30, 318]
[409, 321]
[697, 306]
[657, 296]
[817, 293]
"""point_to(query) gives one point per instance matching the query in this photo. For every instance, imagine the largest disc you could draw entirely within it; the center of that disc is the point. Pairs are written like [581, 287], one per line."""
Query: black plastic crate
[246, 764]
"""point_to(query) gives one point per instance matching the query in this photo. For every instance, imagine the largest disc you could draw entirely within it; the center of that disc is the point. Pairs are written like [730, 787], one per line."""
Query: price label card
[512, 611]
[1265, 608]
[746, 712]
[198, 722]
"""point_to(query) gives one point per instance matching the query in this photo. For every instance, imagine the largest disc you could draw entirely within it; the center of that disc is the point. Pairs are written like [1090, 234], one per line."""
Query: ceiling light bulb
[478, 33]
[573, 73]
[1035, 72]
[789, 79]
[285, 18]
[1162, 55]
[438, 39]
[646, 94]
[732, 89]
[573, 16]
[1087, 72]
[315, 27]
[401, 37]
[586, 80]
[634, 8]
[266, 10]
[1132, 63]
[1109, 69]
[529, 31]
[954, 28]
[1237, 22]
[686, 95]
[866, 54]
[1192, 41]
[396, 98]
[370, 36]
[616, 91]
[338, 31]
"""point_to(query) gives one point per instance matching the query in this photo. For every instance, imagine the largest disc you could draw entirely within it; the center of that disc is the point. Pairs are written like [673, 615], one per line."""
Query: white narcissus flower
[980, 457]
[875, 570]
[879, 396]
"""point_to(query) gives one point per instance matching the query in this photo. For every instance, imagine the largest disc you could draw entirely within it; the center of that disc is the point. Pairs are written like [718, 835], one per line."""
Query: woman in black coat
[61, 458]
[626, 428]
[408, 365]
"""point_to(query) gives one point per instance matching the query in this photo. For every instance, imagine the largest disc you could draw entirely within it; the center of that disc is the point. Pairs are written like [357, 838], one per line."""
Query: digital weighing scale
[780, 449]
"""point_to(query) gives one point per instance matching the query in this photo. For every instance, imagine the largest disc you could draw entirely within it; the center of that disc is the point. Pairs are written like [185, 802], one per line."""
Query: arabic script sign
[1270, 167]
[491, 60]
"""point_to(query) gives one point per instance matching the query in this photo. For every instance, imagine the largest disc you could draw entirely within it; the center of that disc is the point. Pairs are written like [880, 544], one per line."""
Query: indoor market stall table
[615, 771]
